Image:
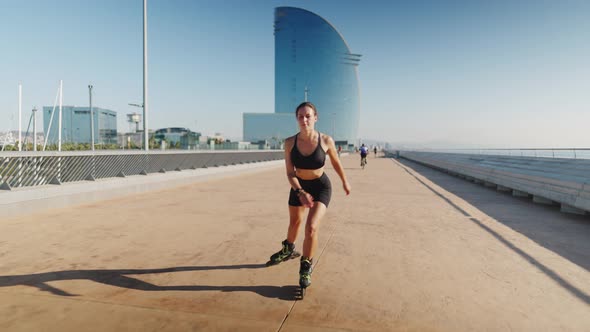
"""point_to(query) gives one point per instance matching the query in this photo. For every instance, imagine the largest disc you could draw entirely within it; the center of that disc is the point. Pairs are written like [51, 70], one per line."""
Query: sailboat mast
[59, 117]
[20, 116]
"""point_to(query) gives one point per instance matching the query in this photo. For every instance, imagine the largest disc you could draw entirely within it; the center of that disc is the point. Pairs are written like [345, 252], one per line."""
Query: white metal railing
[26, 169]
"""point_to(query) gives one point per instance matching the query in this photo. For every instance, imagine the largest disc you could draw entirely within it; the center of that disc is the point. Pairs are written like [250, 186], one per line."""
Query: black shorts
[320, 189]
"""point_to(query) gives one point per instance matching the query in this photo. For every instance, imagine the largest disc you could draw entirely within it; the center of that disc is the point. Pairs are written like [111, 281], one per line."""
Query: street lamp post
[145, 77]
[334, 126]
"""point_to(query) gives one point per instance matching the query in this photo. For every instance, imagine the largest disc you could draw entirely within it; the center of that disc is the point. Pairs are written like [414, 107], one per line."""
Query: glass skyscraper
[312, 63]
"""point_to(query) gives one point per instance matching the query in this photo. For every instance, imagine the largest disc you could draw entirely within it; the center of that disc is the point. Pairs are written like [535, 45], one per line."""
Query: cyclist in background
[364, 151]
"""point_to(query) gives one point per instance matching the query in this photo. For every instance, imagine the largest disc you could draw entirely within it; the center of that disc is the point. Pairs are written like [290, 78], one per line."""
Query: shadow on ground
[121, 278]
[567, 235]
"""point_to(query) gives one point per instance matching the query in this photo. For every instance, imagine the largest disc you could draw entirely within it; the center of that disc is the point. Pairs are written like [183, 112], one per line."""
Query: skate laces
[287, 247]
[305, 266]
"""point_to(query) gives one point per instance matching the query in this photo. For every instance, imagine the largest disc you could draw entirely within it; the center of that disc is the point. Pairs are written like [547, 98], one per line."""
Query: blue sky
[505, 73]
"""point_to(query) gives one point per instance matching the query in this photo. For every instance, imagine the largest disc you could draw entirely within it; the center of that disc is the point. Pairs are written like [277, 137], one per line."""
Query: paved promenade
[411, 249]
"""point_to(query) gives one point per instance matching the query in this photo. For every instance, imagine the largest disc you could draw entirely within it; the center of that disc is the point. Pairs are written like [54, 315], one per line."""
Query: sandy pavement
[411, 249]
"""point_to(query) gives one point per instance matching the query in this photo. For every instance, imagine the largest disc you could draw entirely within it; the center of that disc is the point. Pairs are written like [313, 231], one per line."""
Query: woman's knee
[311, 229]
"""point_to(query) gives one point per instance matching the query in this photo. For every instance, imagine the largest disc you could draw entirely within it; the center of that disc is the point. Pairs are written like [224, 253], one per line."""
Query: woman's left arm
[336, 163]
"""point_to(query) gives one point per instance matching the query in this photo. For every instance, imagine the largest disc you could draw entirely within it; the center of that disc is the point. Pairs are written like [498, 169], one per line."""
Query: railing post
[93, 165]
[35, 173]
[20, 172]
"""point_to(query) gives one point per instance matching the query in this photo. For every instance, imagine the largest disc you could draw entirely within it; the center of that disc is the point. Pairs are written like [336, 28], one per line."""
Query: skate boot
[286, 253]
[305, 270]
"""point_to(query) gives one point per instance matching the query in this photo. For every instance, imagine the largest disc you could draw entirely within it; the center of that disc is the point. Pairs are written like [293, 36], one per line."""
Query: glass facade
[268, 126]
[176, 137]
[76, 125]
[313, 63]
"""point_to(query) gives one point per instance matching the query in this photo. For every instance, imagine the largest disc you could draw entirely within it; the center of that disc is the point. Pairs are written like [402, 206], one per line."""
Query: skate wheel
[302, 292]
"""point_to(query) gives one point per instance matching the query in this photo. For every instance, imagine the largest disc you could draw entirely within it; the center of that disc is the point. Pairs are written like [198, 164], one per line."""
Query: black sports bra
[315, 160]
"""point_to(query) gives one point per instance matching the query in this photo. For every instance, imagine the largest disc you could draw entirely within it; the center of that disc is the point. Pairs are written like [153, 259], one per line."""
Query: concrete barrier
[547, 180]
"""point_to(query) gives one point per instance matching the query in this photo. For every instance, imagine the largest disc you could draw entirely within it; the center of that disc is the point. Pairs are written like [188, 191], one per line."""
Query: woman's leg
[295, 218]
[316, 213]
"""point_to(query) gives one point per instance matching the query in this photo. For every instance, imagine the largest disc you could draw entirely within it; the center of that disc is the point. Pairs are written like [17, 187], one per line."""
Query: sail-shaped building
[312, 63]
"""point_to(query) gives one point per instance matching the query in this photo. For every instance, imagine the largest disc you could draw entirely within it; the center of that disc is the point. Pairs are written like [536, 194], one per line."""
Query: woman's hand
[346, 187]
[306, 199]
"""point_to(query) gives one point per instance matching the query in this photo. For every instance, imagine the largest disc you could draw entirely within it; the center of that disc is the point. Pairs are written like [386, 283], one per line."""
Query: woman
[305, 156]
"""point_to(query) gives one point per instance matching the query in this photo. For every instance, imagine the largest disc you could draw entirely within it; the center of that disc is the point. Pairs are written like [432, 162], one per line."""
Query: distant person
[375, 150]
[339, 150]
[364, 152]
[305, 156]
